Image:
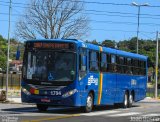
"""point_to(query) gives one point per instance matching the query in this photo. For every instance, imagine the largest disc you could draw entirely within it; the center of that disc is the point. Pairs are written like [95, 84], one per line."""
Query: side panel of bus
[109, 88]
[123, 84]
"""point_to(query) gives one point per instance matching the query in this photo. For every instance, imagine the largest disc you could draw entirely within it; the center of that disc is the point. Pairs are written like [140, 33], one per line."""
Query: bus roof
[118, 52]
[96, 47]
[57, 40]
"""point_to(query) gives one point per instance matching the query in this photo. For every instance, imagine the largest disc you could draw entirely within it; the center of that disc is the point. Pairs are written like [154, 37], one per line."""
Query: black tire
[89, 103]
[130, 100]
[125, 100]
[117, 105]
[41, 107]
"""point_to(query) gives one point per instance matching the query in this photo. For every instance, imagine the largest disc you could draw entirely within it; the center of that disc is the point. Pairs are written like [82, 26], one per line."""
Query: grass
[152, 95]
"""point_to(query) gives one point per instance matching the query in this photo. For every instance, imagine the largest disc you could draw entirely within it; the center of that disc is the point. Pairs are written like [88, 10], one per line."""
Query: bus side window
[103, 62]
[93, 61]
[82, 63]
[129, 65]
[113, 63]
[143, 68]
[108, 63]
[133, 66]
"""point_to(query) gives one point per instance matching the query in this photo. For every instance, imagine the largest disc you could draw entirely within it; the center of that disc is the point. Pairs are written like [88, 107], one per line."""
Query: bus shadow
[60, 110]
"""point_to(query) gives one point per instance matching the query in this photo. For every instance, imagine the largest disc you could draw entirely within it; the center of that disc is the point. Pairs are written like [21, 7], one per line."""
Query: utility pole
[8, 50]
[139, 7]
[156, 67]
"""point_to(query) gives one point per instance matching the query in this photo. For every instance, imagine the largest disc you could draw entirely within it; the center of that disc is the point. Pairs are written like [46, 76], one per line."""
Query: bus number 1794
[56, 93]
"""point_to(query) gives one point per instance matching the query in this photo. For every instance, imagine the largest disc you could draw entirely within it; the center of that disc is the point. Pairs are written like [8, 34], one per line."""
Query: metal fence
[151, 92]
[14, 81]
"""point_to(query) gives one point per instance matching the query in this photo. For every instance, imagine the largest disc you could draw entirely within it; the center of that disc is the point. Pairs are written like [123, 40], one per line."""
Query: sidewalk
[14, 96]
[150, 100]
[15, 100]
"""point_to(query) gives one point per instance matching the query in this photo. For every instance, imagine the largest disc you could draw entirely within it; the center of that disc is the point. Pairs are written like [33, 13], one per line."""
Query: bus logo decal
[92, 80]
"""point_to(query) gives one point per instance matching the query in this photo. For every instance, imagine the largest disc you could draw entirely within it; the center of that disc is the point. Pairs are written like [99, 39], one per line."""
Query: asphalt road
[141, 111]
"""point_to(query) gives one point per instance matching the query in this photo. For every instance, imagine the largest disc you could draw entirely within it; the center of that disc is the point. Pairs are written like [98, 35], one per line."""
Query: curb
[150, 100]
[15, 100]
[12, 101]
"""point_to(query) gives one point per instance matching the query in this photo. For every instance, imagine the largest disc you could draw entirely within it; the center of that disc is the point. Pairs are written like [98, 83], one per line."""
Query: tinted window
[93, 61]
[83, 60]
[112, 63]
[103, 62]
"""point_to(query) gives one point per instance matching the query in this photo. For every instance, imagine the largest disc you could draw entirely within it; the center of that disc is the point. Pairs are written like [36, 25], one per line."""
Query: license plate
[45, 100]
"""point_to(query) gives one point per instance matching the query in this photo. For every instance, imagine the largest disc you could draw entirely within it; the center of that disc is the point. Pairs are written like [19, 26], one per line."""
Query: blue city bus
[69, 72]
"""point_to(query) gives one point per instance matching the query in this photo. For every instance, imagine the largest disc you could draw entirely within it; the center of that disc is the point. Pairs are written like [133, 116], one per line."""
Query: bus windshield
[49, 66]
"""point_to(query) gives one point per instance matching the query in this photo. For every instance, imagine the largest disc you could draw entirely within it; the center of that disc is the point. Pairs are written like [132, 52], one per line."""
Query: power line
[142, 33]
[117, 15]
[120, 14]
[24, 6]
[98, 3]
[94, 29]
[97, 21]
[89, 10]
[102, 3]
[109, 3]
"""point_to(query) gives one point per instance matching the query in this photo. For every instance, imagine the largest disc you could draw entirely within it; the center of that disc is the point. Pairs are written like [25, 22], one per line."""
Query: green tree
[3, 52]
[109, 43]
[13, 48]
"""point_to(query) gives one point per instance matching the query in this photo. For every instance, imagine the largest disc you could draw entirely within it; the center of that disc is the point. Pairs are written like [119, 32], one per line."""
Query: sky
[107, 21]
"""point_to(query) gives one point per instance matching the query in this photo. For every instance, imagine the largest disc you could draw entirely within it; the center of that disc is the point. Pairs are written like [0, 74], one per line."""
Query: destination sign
[50, 45]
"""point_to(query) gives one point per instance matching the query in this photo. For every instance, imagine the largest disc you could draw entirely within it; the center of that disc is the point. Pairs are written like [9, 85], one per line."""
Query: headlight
[67, 94]
[25, 91]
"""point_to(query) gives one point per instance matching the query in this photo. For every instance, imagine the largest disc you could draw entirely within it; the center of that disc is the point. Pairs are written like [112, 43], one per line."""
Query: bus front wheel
[89, 103]
[41, 107]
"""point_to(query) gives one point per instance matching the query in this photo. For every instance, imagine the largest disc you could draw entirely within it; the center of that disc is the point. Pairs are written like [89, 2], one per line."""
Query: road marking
[125, 114]
[52, 118]
[33, 114]
[99, 113]
[35, 109]
[151, 115]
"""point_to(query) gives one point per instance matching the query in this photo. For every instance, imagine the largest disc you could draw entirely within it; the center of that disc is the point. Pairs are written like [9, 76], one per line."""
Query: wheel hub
[89, 102]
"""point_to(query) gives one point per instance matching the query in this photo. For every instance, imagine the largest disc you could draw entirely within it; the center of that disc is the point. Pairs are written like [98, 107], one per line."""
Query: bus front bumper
[73, 100]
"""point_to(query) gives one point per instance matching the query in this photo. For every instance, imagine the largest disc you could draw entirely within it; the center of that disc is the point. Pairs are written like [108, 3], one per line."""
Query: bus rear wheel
[130, 101]
[89, 103]
[125, 100]
[41, 107]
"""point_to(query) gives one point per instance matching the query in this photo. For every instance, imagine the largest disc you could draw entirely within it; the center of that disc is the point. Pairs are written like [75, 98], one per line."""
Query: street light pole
[8, 50]
[156, 66]
[139, 7]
